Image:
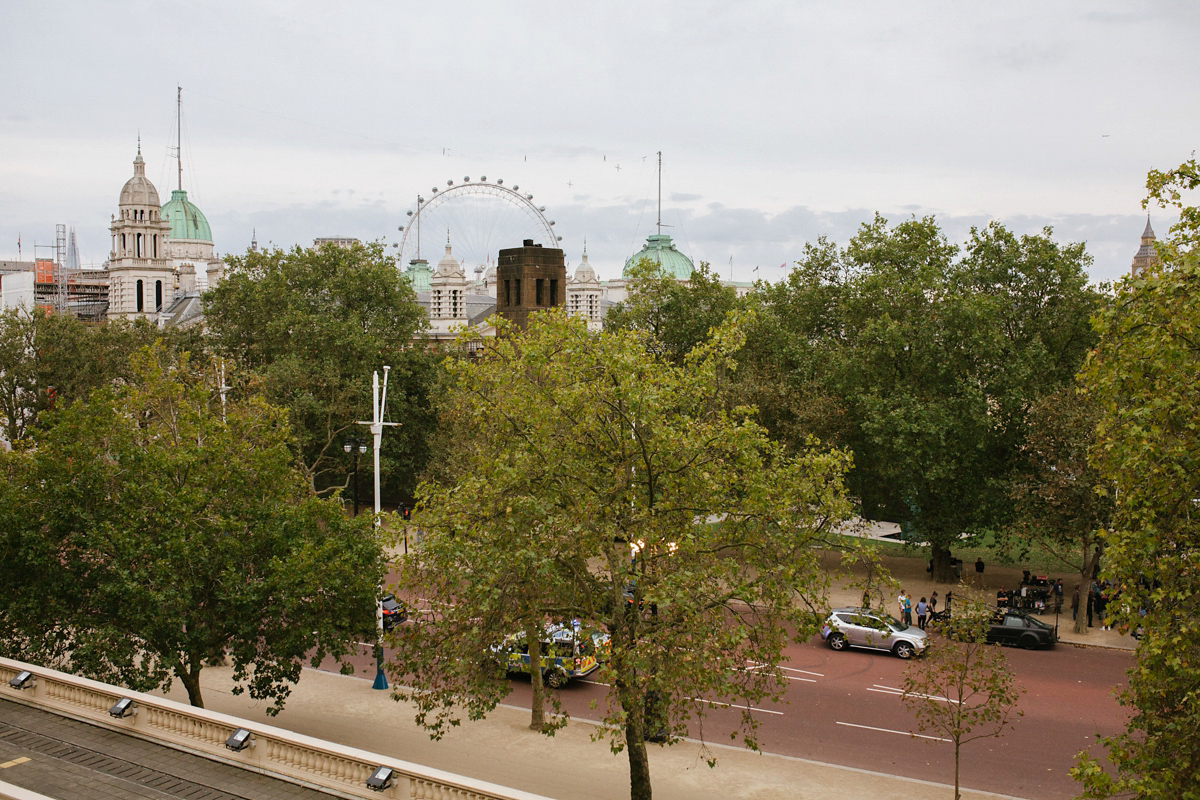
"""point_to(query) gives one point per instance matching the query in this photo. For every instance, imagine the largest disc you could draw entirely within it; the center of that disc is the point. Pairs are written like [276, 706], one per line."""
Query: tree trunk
[191, 681]
[943, 571]
[635, 744]
[1085, 583]
[957, 747]
[537, 718]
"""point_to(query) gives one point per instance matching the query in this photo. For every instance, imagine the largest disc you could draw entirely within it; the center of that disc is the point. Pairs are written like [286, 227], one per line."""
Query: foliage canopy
[603, 483]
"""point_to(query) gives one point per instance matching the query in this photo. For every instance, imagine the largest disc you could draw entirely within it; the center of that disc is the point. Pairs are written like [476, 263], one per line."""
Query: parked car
[857, 627]
[1014, 627]
[394, 612]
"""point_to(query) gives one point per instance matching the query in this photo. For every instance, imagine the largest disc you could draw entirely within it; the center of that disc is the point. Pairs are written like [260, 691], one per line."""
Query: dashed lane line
[889, 730]
[898, 692]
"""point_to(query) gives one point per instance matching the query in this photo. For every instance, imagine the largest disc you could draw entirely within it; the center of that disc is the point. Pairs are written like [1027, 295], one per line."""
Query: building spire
[179, 133]
[660, 192]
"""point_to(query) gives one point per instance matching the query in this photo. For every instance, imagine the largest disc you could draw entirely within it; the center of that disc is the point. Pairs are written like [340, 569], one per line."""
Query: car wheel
[1029, 642]
[904, 650]
[838, 641]
[556, 679]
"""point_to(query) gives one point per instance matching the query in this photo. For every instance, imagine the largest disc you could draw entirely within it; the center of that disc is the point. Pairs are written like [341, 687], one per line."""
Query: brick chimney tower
[529, 279]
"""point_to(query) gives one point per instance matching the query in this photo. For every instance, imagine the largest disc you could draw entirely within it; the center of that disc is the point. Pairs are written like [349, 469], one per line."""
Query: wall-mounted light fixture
[123, 708]
[239, 740]
[381, 779]
[24, 680]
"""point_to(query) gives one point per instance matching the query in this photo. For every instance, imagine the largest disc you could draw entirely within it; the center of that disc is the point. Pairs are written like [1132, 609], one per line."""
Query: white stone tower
[141, 277]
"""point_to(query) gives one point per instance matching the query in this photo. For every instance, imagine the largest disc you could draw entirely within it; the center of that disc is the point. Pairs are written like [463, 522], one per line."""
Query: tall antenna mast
[179, 132]
[660, 192]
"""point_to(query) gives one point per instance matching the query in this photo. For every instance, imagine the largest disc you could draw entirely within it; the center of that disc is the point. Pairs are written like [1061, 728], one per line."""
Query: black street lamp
[357, 446]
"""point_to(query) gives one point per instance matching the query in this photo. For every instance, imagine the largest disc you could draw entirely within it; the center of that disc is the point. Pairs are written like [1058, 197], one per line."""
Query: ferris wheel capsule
[466, 180]
[482, 178]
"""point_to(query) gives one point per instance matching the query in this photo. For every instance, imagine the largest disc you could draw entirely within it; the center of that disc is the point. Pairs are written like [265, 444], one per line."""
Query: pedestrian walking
[922, 613]
[933, 604]
[1075, 603]
[979, 571]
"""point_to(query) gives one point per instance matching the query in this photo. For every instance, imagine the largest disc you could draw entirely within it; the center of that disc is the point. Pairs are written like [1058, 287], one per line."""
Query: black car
[394, 612]
[1020, 629]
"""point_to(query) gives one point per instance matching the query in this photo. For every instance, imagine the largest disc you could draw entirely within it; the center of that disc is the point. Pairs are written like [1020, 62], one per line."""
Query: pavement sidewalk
[568, 765]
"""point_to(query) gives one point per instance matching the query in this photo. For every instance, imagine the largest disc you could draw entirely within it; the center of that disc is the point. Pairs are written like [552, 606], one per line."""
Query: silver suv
[857, 627]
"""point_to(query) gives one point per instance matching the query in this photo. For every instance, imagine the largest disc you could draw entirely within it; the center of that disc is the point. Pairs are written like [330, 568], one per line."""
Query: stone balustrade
[275, 751]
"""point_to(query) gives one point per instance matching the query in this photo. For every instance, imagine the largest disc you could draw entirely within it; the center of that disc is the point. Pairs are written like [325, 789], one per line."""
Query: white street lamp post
[376, 427]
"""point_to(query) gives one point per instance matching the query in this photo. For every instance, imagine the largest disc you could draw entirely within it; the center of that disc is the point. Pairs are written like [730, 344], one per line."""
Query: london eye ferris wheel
[477, 218]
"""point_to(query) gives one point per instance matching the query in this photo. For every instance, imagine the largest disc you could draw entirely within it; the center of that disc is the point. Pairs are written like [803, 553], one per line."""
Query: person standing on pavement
[933, 604]
[1075, 603]
[902, 602]
[908, 604]
[979, 571]
[922, 613]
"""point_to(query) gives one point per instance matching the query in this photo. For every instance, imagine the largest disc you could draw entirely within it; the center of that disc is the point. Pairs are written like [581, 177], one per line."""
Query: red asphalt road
[844, 708]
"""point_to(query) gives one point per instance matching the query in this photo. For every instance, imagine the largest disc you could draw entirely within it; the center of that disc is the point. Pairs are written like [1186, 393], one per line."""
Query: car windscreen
[895, 624]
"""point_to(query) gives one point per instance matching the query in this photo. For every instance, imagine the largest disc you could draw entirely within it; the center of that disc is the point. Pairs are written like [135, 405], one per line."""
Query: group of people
[1098, 597]
[925, 608]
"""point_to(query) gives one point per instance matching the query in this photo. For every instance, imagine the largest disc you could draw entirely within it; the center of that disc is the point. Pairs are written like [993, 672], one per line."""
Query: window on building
[553, 291]
[507, 294]
[537, 299]
[517, 292]
[158, 298]
[139, 246]
[140, 301]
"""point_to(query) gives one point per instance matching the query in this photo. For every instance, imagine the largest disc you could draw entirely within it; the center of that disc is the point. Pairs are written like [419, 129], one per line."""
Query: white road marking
[889, 730]
[756, 665]
[899, 692]
[719, 704]
[716, 703]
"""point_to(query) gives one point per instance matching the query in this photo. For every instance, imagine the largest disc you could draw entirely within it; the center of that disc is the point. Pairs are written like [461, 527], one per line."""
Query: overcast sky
[778, 122]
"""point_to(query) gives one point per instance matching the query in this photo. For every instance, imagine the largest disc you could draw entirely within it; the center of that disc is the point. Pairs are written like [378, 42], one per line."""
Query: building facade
[529, 279]
[141, 276]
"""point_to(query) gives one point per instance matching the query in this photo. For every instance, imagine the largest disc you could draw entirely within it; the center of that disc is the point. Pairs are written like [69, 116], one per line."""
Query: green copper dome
[419, 275]
[187, 221]
[661, 250]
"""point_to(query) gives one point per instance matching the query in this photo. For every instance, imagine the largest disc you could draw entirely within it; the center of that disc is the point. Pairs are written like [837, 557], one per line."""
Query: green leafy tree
[166, 532]
[305, 328]
[1142, 375]
[678, 316]
[923, 361]
[50, 359]
[962, 689]
[1062, 502]
[588, 450]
